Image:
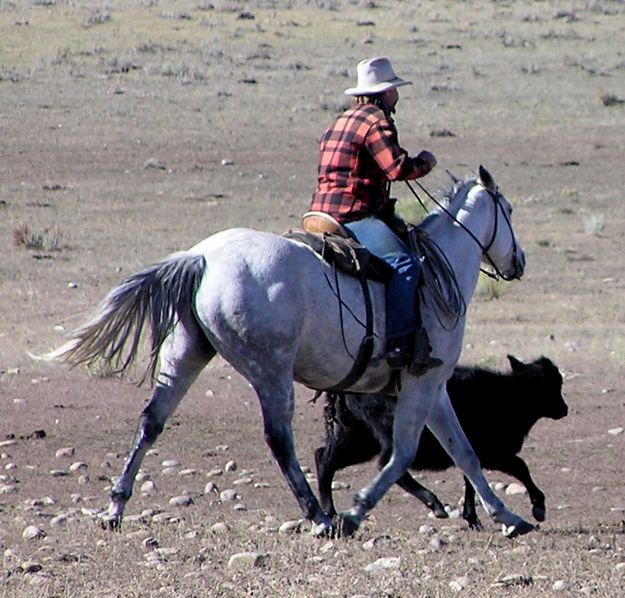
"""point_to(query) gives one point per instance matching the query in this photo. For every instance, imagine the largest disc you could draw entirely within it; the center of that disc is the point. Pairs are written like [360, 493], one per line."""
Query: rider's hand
[428, 159]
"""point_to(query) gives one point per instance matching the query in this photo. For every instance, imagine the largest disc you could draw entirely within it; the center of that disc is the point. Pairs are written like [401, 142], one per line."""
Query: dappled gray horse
[276, 311]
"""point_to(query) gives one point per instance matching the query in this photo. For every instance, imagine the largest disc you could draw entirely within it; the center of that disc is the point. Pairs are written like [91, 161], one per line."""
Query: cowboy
[359, 157]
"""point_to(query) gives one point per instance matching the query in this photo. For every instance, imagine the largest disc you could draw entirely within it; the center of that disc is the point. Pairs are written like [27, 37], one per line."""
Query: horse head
[501, 249]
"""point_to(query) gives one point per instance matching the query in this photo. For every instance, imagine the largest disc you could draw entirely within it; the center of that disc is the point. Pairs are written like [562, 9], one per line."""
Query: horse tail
[159, 294]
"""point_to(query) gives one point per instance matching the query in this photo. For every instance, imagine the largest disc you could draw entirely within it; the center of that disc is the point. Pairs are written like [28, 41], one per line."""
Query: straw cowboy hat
[375, 75]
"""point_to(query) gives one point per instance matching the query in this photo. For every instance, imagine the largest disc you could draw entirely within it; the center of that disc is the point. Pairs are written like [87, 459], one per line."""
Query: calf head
[545, 381]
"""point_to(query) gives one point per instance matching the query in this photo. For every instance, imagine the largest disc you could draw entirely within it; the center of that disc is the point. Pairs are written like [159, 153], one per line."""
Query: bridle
[496, 196]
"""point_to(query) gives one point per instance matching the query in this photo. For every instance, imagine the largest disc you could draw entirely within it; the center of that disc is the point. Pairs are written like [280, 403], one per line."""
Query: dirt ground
[129, 130]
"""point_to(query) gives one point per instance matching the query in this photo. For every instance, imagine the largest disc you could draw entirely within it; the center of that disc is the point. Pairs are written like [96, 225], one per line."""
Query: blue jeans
[381, 241]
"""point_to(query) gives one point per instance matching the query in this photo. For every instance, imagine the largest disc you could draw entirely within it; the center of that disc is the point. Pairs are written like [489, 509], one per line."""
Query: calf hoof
[346, 525]
[539, 513]
[520, 529]
[475, 525]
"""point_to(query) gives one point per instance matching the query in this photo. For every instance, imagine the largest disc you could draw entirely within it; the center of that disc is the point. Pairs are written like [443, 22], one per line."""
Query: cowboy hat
[375, 75]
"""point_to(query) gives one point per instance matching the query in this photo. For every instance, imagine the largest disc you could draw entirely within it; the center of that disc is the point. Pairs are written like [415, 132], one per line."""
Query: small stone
[515, 488]
[559, 585]
[230, 466]
[187, 472]
[210, 487]
[375, 542]
[290, 527]
[32, 532]
[228, 495]
[220, 528]
[247, 560]
[58, 520]
[58, 473]
[226, 162]
[615, 431]
[149, 543]
[8, 489]
[77, 466]
[437, 543]
[67, 451]
[383, 564]
[427, 529]
[31, 566]
[458, 584]
[181, 501]
[214, 472]
[170, 463]
[148, 487]
[245, 480]
[620, 566]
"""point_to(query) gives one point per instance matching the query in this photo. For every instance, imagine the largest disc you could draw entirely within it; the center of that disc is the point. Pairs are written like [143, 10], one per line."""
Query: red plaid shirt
[359, 156]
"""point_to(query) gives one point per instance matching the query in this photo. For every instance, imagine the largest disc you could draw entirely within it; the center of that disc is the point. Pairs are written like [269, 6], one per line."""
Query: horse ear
[516, 364]
[486, 179]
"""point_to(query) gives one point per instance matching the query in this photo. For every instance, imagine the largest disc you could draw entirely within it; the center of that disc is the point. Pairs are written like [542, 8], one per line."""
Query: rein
[495, 197]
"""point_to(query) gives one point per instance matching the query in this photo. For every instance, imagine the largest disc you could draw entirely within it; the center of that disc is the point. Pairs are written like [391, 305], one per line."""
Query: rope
[439, 280]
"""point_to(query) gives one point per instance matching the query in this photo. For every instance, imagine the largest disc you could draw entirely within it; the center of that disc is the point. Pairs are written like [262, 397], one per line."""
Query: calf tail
[159, 294]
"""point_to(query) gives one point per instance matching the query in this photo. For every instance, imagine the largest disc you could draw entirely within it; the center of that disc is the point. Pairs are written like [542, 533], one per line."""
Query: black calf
[496, 411]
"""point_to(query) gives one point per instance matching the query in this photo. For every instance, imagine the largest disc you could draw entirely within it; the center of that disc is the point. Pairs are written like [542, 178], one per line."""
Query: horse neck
[461, 250]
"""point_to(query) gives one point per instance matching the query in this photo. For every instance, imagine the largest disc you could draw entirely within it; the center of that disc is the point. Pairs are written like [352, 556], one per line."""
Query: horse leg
[277, 406]
[183, 355]
[410, 413]
[517, 468]
[444, 424]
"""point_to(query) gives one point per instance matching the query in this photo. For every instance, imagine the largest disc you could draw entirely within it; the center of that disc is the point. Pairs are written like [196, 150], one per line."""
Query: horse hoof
[539, 513]
[346, 525]
[439, 512]
[112, 523]
[520, 529]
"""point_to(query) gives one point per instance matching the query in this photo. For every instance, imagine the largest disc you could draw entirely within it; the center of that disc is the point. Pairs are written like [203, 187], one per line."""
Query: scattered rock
[230, 466]
[515, 488]
[8, 489]
[170, 463]
[437, 543]
[615, 431]
[228, 495]
[32, 532]
[560, 585]
[247, 560]
[211, 487]
[31, 567]
[148, 487]
[77, 466]
[458, 584]
[67, 451]
[383, 564]
[220, 528]
[181, 501]
[187, 472]
[290, 527]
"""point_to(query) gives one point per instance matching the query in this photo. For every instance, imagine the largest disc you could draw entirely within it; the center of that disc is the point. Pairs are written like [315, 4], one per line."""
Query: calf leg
[469, 514]
[427, 497]
[342, 450]
[516, 467]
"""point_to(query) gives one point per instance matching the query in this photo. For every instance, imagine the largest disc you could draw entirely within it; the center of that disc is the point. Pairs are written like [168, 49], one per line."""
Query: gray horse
[276, 311]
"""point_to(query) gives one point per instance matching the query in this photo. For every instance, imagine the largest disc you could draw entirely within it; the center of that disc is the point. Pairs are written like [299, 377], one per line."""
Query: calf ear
[515, 363]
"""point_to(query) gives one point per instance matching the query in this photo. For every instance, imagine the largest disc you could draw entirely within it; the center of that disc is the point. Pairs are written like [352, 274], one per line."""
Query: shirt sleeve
[383, 145]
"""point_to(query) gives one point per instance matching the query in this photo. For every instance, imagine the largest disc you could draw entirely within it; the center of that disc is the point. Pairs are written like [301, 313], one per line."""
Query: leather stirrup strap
[366, 346]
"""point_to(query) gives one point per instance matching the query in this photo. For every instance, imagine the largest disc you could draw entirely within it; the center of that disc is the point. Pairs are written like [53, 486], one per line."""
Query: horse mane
[450, 191]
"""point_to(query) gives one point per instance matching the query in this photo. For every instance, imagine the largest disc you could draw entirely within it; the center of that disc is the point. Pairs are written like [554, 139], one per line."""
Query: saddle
[332, 242]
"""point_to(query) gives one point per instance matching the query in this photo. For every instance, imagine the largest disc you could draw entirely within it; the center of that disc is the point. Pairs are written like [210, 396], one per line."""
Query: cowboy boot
[422, 359]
